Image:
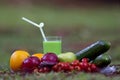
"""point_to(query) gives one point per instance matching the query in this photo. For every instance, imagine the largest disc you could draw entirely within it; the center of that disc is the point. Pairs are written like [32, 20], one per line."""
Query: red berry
[41, 70]
[59, 69]
[75, 63]
[81, 65]
[77, 68]
[47, 69]
[93, 67]
[71, 68]
[60, 64]
[55, 67]
[88, 69]
[44, 70]
[66, 66]
[85, 60]
[86, 66]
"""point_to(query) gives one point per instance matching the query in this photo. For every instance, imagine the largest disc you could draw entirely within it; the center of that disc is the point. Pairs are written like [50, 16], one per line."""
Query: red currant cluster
[83, 65]
[44, 69]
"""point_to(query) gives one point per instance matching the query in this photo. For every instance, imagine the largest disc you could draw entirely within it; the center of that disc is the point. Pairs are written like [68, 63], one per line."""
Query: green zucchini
[94, 50]
[102, 60]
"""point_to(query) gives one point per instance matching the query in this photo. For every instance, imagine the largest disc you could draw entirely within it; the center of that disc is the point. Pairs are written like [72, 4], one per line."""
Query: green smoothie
[52, 46]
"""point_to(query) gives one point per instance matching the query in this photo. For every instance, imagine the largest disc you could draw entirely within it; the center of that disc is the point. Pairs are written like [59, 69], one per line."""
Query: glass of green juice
[53, 44]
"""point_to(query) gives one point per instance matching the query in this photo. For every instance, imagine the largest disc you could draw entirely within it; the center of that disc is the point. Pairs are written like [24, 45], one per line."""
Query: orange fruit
[39, 55]
[17, 59]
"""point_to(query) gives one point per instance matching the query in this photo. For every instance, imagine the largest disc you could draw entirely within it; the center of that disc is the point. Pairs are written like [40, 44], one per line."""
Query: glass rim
[53, 38]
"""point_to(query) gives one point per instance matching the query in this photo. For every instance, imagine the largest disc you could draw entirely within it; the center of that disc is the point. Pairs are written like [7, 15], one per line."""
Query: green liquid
[52, 46]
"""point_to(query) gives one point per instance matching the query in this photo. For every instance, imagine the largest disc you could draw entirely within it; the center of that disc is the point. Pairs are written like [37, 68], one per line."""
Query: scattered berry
[85, 60]
[34, 64]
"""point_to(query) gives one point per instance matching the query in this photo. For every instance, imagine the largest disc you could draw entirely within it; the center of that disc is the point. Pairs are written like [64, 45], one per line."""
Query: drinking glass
[53, 44]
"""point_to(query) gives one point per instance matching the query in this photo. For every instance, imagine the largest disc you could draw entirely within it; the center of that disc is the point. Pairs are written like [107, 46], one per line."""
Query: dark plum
[30, 64]
[49, 59]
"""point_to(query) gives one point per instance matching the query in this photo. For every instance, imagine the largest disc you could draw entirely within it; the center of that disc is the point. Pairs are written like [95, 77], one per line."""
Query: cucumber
[94, 50]
[102, 60]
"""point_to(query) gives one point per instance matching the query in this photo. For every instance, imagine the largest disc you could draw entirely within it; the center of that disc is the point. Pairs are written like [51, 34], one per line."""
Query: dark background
[79, 22]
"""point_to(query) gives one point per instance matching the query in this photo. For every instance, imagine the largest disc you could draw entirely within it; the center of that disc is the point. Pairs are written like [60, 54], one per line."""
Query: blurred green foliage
[52, 16]
[79, 27]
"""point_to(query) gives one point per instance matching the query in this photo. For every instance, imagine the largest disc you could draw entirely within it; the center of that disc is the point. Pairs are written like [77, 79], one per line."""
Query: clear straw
[39, 26]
